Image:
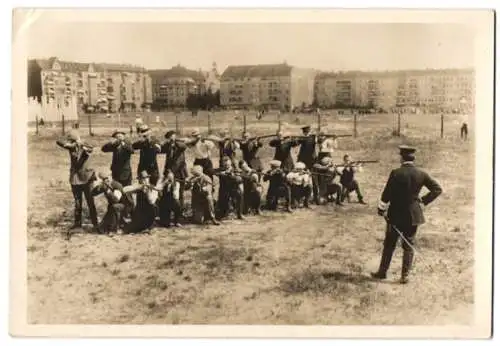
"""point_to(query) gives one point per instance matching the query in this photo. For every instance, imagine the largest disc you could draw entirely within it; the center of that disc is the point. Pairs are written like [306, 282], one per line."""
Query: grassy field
[309, 267]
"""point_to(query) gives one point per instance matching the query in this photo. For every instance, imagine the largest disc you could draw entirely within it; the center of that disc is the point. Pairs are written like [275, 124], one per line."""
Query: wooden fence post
[90, 124]
[177, 121]
[244, 122]
[399, 124]
[355, 124]
[63, 129]
[36, 123]
[209, 122]
[319, 121]
[442, 125]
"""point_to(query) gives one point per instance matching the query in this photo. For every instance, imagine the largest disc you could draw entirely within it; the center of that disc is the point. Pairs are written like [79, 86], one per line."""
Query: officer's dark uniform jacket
[402, 192]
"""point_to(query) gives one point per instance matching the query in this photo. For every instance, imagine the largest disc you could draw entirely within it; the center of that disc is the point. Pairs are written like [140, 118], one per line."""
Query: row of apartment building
[113, 87]
[447, 89]
[288, 87]
[106, 87]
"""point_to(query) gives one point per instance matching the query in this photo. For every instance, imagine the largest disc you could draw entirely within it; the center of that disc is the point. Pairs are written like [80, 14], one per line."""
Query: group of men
[239, 183]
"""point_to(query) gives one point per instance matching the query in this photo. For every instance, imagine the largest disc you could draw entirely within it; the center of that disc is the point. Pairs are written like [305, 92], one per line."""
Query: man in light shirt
[326, 146]
[202, 151]
[138, 123]
[300, 184]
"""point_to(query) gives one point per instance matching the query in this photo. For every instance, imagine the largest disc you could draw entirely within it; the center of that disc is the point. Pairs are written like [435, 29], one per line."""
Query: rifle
[253, 138]
[336, 136]
[353, 163]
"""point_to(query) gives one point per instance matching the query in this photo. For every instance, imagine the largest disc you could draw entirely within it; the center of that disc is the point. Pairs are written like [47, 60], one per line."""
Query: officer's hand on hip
[380, 212]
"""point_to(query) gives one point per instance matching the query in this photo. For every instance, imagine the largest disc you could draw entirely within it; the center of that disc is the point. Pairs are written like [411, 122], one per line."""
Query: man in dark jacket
[307, 151]
[118, 203]
[80, 176]
[144, 214]
[175, 161]
[249, 148]
[401, 200]
[120, 164]
[230, 190]
[278, 187]
[149, 147]
[283, 145]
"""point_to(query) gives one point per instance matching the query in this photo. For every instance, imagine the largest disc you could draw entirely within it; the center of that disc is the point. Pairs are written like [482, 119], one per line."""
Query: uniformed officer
[401, 200]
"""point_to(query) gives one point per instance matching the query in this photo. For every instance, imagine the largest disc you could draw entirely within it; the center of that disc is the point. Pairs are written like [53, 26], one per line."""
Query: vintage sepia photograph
[271, 168]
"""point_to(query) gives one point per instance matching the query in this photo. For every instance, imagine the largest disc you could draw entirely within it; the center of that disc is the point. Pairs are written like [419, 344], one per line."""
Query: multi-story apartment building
[212, 79]
[275, 86]
[103, 87]
[434, 90]
[171, 87]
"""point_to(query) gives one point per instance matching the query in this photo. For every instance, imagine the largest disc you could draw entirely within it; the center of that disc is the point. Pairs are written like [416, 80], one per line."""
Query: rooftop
[73, 66]
[249, 71]
[177, 72]
[388, 73]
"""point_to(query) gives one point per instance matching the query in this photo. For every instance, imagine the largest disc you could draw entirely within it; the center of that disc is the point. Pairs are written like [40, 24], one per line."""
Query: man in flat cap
[80, 176]
[144, 214]
[202, 202]
[252, 189]
[118, 203]
[120, 163]
[325, 173]
[401, 200]
[175, 161]
[278, 186]
[230, 190]
[149, 147]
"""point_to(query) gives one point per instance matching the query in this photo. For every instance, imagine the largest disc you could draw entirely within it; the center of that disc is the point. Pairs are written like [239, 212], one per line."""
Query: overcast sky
[322, 46]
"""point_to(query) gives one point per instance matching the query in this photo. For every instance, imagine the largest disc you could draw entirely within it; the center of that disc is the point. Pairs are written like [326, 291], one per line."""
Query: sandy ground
[309, 267]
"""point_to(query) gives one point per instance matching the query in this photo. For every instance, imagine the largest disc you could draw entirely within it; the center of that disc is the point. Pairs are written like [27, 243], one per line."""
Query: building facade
[172, 87]
[278, 86]
[430, 90]
[101, 87]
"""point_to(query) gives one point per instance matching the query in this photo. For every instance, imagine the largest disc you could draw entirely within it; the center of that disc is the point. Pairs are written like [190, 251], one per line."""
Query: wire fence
[237, 122]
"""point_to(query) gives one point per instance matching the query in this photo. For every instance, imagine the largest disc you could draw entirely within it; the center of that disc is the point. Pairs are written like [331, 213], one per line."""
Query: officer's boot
[407, 263]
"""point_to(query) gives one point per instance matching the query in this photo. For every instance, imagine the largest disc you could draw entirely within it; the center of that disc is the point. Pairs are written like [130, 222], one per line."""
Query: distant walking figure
[464, 131]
